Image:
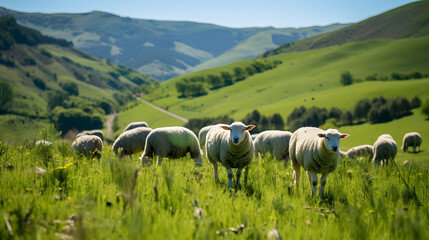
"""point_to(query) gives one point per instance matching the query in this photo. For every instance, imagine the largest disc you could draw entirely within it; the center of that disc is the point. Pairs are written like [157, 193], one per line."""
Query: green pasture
[308, 78]
[49, 193]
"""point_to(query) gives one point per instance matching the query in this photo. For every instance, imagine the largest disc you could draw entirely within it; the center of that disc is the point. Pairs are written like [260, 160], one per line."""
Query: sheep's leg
[159, 161]
[230, 176]
[322, 184]
[286, 160]
[314, 182]
[215, 171]
[246, 173]
[239, 171]
[296, 172]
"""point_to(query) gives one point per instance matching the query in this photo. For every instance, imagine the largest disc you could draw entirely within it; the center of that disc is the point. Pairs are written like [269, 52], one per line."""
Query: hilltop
[163, 49]
[49, 78]
[411, 20]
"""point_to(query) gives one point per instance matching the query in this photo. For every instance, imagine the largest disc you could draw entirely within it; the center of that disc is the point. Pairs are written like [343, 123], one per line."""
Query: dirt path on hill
[109, 124]
[162, 110]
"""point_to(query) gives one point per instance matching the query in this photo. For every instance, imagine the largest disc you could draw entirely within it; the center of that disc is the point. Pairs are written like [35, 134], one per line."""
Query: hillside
[46, 75]
[411, 20]
[163, 49]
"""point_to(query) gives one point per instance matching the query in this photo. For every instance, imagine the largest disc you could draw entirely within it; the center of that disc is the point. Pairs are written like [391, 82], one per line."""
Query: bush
[56, 99]
[74, 118]
[195, 124]
[346, 78]
[6, 95]
[71, 88]
[39, 83]
[416, 102]
[425, 108]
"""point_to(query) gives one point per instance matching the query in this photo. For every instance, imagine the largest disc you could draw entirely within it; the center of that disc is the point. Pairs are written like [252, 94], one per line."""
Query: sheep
[254, 136]
[171, 142]
[359, 151]
[385, 148]
[202, 135]
[44, 142]
[275, 142]
[97, 133]
[131, 141]
[232, 146]
[317, 151]
[89, 145]
[135, 125]
[412, 139]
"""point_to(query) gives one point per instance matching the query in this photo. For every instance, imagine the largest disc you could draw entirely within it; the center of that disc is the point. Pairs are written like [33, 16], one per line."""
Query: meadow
[49, 193]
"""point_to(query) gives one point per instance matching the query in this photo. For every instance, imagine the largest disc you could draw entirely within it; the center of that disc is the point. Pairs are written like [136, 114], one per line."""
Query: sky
[228, 13]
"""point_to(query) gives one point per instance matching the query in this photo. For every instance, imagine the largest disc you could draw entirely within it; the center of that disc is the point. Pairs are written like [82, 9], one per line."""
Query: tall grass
[112, 199]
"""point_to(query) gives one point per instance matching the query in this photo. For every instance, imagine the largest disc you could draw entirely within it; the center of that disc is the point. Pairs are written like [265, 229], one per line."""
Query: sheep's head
[237, 131]
[332, 139]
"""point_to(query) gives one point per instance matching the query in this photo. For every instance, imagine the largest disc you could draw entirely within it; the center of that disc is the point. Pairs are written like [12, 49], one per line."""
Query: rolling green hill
[36, 71]
[161, 48]
[411, 20]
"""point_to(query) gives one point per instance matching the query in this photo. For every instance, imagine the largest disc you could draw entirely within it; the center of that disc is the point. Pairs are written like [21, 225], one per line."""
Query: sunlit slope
[304, 76]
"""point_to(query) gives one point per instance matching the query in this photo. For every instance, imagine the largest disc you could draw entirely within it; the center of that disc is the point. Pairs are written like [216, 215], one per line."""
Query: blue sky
[230, 13]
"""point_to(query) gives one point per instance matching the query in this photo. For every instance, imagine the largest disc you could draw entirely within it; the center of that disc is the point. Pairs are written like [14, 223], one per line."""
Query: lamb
[412, 139]
[89, 145]
[171, 142]
[131, 141]
[317, 151]
[385, 148]
[202, 135]
[275, 142]
[359, 151]
[97, 133]
[232, 146]
[135, 125]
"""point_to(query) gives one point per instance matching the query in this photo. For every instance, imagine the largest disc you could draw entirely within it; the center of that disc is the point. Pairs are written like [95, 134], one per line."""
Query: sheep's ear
[226, 127]
[249, 127]
[321, 135]
[344, 135]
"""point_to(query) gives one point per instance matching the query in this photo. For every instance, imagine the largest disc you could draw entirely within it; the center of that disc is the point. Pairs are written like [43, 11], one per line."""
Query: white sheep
[131, 141]
[412, 139]
[274, 142]
[135, 125]
[232, 146]
[97, 133]
[44, 142]
[360, 151]
[88, 145]
[385, 148]
[254, 136]
[202, 135]
[171, 142]
[317, 151]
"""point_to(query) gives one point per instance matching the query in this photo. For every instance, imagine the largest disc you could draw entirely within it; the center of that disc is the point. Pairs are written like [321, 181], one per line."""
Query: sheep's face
[332, 139]
[237, 131]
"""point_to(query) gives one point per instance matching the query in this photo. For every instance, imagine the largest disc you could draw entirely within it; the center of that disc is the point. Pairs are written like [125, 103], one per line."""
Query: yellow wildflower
[371, 211]
[271, 217]
[185, 194]
[69, 198]
[27, 189]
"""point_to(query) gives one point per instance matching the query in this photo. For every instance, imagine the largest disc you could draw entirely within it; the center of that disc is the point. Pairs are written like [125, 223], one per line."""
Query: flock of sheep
[232, 146]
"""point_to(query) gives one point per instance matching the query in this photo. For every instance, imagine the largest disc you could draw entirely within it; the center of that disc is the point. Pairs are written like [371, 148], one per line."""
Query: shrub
[416, 102]
[39, 83]
[71, 88]
[425, 108]
[6, 95]
[74, 118]
[346, 78]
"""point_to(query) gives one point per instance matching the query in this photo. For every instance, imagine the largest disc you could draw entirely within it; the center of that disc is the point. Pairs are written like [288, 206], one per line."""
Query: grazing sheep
[385, 148]
[202, 135]
[360, 151]
[275, 142]
[254, 136]
[232, 146]
[135, 125]
[412, 139]
[131, 141]
[97, 133]
[171, 142]
[317, 151]
[44, 142]
[89, 145]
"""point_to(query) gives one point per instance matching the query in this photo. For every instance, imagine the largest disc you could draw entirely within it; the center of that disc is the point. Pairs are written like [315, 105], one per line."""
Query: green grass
[306, 75]
[17, 130]
[95, 199]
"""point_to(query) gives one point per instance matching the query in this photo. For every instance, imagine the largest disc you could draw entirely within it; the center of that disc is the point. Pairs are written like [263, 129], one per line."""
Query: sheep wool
[412, 139]
[131, 141]
[171, 142]
[88, 145]
[274, 142]
[232, 146]
[135, 125]
[385, 148]
[317, 151]
[97, 133]
[202, 135]
[360, 151]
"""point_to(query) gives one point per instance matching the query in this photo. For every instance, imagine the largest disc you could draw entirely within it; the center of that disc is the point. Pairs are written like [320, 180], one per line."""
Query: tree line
[346, 78]
[198, 85]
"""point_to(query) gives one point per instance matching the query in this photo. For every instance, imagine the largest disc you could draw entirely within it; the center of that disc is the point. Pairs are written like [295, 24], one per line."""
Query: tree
[71, 88]
[335, 113]
[361, 109]
[215, 81]
[347, 118]
[6, 95]
[425, 108]
[56, 99]
[277, 121]
[416, 102]
[346, 78]
[239, 74]
[227, 78]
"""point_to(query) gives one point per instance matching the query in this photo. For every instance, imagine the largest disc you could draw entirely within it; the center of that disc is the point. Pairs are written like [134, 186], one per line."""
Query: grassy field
[308, 75]
[112, 199]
